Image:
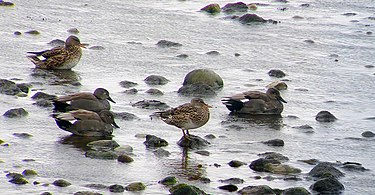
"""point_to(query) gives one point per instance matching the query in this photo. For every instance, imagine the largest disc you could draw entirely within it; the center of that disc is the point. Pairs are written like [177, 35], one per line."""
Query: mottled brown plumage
[187, 116]
[61, 57]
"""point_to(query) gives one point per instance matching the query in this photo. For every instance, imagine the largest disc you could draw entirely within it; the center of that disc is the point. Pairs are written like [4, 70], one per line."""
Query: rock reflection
[57, 77]
[270, 121]
[80, 141]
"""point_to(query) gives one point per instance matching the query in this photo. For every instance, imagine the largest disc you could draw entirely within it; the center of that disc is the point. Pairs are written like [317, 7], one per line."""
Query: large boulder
[327, 186]
[325, 169]
[193, 142]
[235, 7]
[201, 82]
[212, 8]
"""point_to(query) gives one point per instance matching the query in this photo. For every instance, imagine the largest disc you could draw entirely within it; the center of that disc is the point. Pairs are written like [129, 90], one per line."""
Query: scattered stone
[325, 116]
[18, 180]
[324, 170]
[125, 158]
[105, 155]
[17, 33]
[24, 87]
[126, 149]
[210, 136]
[328, 185]
[193, 142]
[353, 166]
[160, 152]
[281, 169]
[212, 8]
[369, 66]
[310, 161]
[237, 54]
[131, 91]
[16, 112]
[136, 186]
[297, 17]
[182, 56]
[261, 189]
[87, 193]
[368, 134]
[236, 163]
[274, 156]
[96, 47]
[103, 145]
[235, 7]
[32, 32]
[56, 42]
[151, 104]
[22, 135]
[46, 193]
[154, 92]
[96, 186]
[199, 89]
[6, 3]
[305, 127]
[41, 95]
[9, 87]
[169, 181]
[204, 76]
[156, 80]
[229, 188]
[276, 73]
[184, 189]
[274, 142]
[251, 18]
[349, 14]
[61, 183]
[260, 164]
[116, 188]
[126, 116]
[29, 172]
[127, 84]
[165, 43]
[203, 152]
[213, 53]
[154, 142]
[309, 41]
[296, 191]
[43, 103]
[73, 30]
[233, 181]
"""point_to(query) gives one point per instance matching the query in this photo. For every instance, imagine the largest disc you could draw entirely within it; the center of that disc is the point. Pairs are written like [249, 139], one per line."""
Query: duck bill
[83, 45]
[281, 99]
[115, 125]
[110, 99]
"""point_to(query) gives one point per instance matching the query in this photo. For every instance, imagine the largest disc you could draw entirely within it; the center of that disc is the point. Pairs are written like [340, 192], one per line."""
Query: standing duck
[61, 57]
[256, 102]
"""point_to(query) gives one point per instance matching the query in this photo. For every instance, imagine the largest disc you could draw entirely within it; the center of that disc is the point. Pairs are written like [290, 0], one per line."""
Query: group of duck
[91, 111]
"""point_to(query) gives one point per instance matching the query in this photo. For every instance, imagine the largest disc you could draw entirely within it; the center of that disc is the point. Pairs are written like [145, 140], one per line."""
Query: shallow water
[129, 30]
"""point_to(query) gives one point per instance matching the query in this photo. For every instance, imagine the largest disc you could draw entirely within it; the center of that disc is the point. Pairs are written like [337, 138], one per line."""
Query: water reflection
[80, 141]
[57, 77]
[270, 121]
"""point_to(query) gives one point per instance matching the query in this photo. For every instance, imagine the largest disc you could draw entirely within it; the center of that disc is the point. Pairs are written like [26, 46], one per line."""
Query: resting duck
[88, 123]
[256, 102]
[96, 101]
[61, 57]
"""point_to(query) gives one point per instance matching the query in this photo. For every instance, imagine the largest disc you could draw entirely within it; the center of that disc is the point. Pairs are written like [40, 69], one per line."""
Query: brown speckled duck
[61, 57]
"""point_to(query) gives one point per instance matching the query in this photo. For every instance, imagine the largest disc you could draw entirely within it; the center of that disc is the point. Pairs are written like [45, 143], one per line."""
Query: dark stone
[251, 18]
[261, 189]
[136, 186]
[32, 32]
[24, 87]
[61, 183]
[274, 142]
[116, 188]
[154, 142]
[182, 56]
[87, 193]
[203, 152]
[274, 156]
[306, 127]
[131, 91]
[368, 134]
[96, 186]
[17, 33]
[43, 103]
[296, 191]
[126, 116]
[199, 89]
[229, 188]
[154, 92]
[29, 172]
[46, 193]
[213, 53]
[103, 145]
[16, 112]
[96, 47]
[127, 84]
[105, 155]
[233, 181]
[160, 152]
[168, 181]
[5, 3]
[235, 7]
[310, 161]
[276, 73]
[18, 180]
[165, 43]
[324, 169]
[193, 142]
[156, 80]
[9, 87]
[151, 104]
[185, 189]
[236, 163]
[22, 135]
[204, 76]
[309, 41]
[41, 95]
[325, 116]
[328, 185]
[212, 8]
[260, 164]
[210, 136]
[353, 166]
[125, 158]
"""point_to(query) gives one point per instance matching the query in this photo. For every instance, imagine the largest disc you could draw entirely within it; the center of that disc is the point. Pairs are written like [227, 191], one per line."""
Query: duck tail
[60, 106]
[233, 105]
[63, 124]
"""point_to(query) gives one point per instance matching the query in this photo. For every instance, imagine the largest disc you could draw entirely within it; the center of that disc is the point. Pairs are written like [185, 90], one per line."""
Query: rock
[274, 156]
[203, 152]
[160, 152]
[274, 142]
[185, 189]
[87, 193]
[328, 185]
[151, 104]
[126, 116]
[125, 158]
[96, 186]
[296, 191]
[204, 76]
[105, 155]
[24, 87]
[199, 89]
[73, 30]
[229, 188]
[324, 169]
[213, 53]
[154, 142]
[169, 181]
[22, 135]
[136, 186]
[96, 47]
[276, 73]
[131, 91]
[309, 41]
[5, 3]
[194, 142]
[260, 164]
[18, 181]
[212, 8]
[16, 112]
[281, 169]
[325, 116]
[251, 18]
[261, 189]
[210, 136]
[368, 134]
[182, 56]
[56, 42]
[279, 85]
[61, 183]
[253, 6]
[156, 80]
[236, 163]
[116, 188]
[353, 166]
[29, 172]
[46, 193]
[165, 43]
[9, 87]
[41, 95]
[233, 181]
[310, 161]
[32, 32]
[127, 84]
[126, 149]
[17, 33]
[103, 145]
[305, 127]
[154, 92]
[43, 103]
[235, 7]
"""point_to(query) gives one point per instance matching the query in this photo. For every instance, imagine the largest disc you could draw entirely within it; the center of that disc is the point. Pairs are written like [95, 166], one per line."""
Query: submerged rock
[281, 169]
[87, 193]
[199, 89]
[251, 18]
[233, 181]
[125, 158]
[165, 43]
[213, 8]
[127, 84]
[274, 142]
[136, 186]
[296, 191]
[236, 163]
[204, 76]
[324, 169]
[154, 92]
[260, 164]
[116, 188]
[126, 116]
[17, 178]
[105, 155]
[325, 116]
[274, 156]
[16, 113]
[328, 185]
[184, 189]
[22, 135]
[9, 87]
[154, 142]
[103, 145]
[41, 95]
[229, 188]
[61, 183]
[156, 80]
[368, 134]
[169, 181]
[261, 189]
[276, 73]
[193, 142]
[6, 3]
[29, 172]
[151, 104]
[160, 152]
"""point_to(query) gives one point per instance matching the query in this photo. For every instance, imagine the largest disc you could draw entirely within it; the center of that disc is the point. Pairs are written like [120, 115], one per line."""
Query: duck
[187, 116]
[96, 102]
[87, 123]
[59, 58]
[256, 102]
